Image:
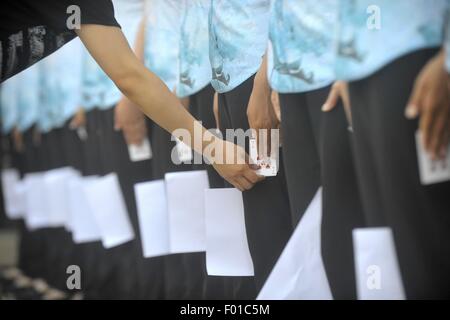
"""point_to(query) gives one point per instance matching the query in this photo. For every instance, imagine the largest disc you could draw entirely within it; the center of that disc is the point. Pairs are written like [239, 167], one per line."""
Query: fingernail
[325, 107]
[411, 112]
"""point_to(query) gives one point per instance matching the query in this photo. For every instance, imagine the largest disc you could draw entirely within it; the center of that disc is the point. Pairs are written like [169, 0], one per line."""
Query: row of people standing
[369, 173]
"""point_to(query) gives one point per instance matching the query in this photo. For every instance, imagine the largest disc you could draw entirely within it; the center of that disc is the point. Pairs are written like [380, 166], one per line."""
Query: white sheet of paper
[153, 218]
[299, 273]
[20, 192]
[36, 206]
[83, 223]
[106, 201]
[57, 195]
[227, 252]
[13, 198]
[377, 271]
[185, 204]
[431, 171]
[140, 152]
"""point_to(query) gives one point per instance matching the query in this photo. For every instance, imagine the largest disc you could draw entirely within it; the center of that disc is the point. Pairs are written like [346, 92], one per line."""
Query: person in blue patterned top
[194, 81]
[196, 92]
[392, 53]
[238, 38]
[301, 70]
[364, 46]
[194, 66]
[303, 39]
[9, 98]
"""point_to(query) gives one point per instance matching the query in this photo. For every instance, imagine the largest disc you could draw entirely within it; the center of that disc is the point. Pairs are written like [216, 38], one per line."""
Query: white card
[57, 196]
[36, 206]
[83, 224]
[140, 152]
[153, 218]
[106, 202]
[227, 252]
[377, 271]
[185, 204]
[269, 165]
[431, 171]
[82, 133]
[299, 273]
[12, 188]
[184, 152]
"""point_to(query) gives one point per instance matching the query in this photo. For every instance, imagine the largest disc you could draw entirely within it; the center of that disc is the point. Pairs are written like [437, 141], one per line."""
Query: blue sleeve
[8, 104]
[447, 38]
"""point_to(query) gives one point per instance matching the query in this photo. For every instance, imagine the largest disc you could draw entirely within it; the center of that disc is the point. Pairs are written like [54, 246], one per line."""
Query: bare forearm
[136, 82]
[158, 102]
[261, 83]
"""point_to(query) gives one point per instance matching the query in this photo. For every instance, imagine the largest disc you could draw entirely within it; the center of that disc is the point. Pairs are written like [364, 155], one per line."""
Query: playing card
[269, 165]
[184, 151]
[431, 171]
[140, 152]
[82, 133]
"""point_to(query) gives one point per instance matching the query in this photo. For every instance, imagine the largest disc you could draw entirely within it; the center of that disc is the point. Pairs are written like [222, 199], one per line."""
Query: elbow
[127, 80]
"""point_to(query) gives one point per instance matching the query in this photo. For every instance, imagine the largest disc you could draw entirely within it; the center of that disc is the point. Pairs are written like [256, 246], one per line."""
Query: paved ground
[9, 241]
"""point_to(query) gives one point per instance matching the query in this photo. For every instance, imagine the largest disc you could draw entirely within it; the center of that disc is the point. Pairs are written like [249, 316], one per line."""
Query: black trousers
[101, 277]
[341, 204]
[266, 206]
[95, 266]
[184, 274]
[134, 276]
[32, 243]
[388, 173]
[300, 127]
[317, 152]
[201, 105]
[58, 243]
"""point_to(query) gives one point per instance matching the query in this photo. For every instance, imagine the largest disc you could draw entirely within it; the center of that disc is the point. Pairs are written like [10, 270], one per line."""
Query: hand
[185, 102]
[236, 170]
[216, 109]
[261, 115]
[431, 100]
[339, 91]
[275, 100]
[131, 121]
[18, 140]
[78, 120]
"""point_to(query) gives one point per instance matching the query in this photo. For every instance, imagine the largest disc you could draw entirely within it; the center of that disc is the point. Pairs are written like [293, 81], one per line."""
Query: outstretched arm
[110, 49]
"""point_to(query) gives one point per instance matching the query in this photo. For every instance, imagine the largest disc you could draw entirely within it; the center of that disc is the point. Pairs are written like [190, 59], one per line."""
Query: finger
[243, 182]
[236, 185]
[438, 135]
[252, 176]
[73, 124]
[332, 98]
[249, 162]
[415, 101]
[262, 145]
[117, 125]
[135, 138]
[443, 152]
[426, 120]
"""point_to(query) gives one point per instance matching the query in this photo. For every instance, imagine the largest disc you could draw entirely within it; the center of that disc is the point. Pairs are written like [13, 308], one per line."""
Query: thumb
[332, 99]
[413, 107]
[117, 124]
